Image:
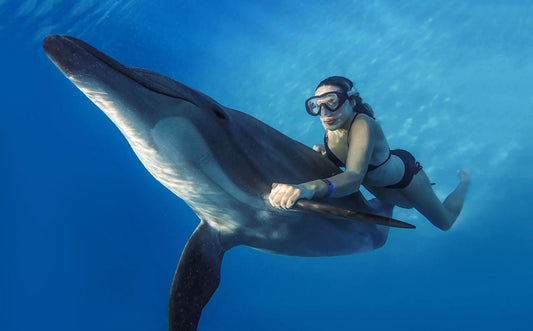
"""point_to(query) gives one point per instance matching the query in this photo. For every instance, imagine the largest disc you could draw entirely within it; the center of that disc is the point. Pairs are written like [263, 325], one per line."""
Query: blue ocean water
[89, 240]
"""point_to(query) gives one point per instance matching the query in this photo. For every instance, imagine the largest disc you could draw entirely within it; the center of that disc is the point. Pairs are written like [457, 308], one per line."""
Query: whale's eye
[219, 113]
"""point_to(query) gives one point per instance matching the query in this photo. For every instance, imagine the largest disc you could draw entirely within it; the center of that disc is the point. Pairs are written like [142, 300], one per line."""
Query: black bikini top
[338, 162]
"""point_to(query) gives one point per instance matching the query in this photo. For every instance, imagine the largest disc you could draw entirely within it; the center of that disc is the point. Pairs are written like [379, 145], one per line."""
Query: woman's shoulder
[364, 124]
[363, 120]
[364, 117]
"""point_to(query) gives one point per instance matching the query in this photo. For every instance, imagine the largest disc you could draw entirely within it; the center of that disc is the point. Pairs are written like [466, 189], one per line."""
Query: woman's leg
[424, 199]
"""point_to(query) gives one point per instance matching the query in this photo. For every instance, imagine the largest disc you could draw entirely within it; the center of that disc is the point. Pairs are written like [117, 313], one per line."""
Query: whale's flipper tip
[326, 209]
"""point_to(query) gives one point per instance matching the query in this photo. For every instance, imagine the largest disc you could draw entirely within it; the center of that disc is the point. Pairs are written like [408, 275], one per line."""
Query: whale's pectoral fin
[334, 211]
[196, 278]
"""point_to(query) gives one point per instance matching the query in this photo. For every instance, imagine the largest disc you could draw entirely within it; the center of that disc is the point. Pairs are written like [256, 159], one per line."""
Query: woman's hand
[320, 149]
[283, 196]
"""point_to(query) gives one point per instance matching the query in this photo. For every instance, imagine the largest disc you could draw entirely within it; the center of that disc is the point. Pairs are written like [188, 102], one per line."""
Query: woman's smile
[329, 120]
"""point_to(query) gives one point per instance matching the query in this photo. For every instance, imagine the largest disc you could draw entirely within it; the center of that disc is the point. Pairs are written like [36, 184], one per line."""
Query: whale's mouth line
[138, 75]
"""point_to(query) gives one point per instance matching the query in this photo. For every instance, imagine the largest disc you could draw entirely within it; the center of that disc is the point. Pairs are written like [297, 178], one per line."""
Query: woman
[355, 140]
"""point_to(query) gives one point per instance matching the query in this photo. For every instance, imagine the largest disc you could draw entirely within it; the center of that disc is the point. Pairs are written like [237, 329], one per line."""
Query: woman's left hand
[284, 196]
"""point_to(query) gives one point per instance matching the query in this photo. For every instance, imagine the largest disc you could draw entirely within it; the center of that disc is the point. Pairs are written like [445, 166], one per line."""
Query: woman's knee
[425, 200]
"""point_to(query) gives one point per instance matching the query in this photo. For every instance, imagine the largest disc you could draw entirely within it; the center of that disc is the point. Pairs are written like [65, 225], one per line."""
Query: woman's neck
[348, 124]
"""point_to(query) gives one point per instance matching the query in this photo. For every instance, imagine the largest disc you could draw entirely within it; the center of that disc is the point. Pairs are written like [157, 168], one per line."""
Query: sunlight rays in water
[76, 17]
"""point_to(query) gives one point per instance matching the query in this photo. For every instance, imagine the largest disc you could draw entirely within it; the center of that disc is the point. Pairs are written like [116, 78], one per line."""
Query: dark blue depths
[89, 240]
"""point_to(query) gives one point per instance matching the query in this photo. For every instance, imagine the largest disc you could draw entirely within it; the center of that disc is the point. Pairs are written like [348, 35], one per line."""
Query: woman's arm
[348, 182]
[361, 147]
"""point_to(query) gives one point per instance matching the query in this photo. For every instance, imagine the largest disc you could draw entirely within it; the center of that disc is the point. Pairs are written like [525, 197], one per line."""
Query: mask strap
[352, 92]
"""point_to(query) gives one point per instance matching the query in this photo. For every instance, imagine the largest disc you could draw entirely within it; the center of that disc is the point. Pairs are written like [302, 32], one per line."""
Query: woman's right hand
[284, 196]
[320, 149]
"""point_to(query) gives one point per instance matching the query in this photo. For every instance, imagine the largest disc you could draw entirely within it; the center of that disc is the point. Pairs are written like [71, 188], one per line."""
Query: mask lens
[312, 107]
[331, 101]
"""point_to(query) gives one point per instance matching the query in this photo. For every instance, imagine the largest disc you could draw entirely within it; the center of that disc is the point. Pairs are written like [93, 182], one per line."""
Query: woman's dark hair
[346, 85]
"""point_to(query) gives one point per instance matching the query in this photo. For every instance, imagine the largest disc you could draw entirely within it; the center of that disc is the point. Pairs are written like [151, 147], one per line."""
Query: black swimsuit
[411, 166]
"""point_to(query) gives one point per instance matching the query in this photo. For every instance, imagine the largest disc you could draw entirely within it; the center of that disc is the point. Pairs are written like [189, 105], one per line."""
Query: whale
[222, 163]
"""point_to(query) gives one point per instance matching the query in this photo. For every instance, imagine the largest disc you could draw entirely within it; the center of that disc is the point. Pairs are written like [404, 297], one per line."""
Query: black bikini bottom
[412, 167]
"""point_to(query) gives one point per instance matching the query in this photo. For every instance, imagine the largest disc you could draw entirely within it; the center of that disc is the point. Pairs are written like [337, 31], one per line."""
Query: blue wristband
[330, 187]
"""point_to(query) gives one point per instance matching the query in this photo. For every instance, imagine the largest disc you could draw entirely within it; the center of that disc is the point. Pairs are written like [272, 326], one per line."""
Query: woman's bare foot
[464, 176]
[454, 202]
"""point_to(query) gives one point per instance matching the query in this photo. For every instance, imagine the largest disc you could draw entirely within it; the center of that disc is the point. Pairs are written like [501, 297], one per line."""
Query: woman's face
[338, 119]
